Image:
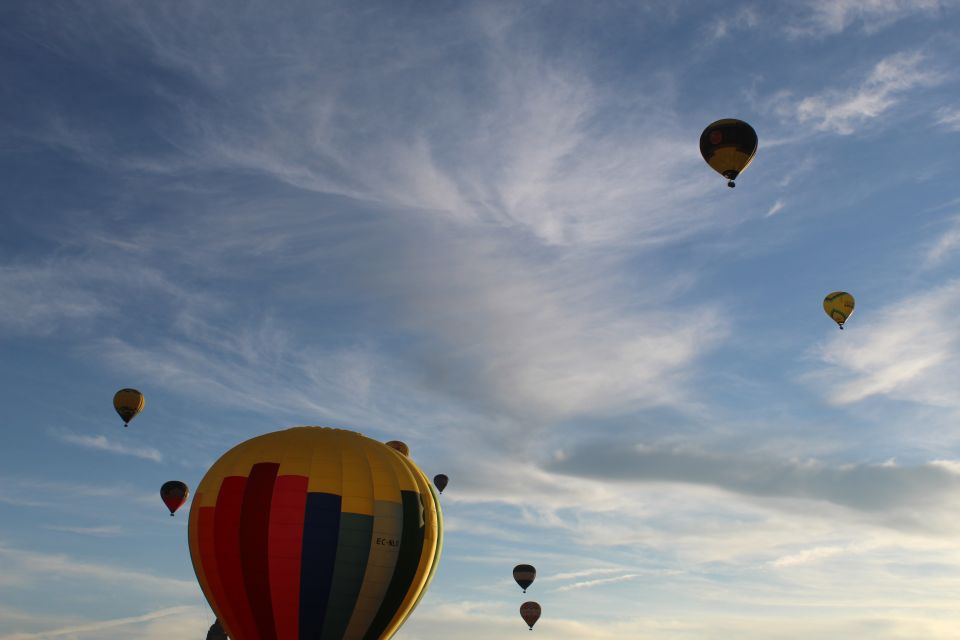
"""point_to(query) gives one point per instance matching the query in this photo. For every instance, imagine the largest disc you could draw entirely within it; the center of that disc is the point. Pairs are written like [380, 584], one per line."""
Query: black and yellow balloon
[314, 533]
[839, 306]
[728, 146]
[128, 403]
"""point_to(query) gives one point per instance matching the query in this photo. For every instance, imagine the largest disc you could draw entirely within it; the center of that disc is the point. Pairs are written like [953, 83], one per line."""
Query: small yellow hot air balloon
[839, 306]
[128, 403]
[728, 146]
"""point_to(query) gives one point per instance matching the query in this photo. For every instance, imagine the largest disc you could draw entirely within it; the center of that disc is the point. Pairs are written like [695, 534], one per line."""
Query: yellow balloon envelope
[314, 533]
[839, 306]
[128, 403]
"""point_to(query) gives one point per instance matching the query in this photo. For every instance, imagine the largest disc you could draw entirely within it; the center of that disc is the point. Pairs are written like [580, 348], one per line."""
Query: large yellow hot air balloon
[314, 533]
[728, 146]
[128, 403]
[839, 306]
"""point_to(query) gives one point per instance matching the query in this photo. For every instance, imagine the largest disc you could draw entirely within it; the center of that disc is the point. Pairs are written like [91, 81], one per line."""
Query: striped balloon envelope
[314, 533]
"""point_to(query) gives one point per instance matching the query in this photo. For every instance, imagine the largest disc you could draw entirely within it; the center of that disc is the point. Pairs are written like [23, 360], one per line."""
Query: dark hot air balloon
[399, 446]
[174, 494]
[440, 480]
[314, 533]
[128, 403]
[530, 612]
[524, 574]
[216, 632]
[728, 146]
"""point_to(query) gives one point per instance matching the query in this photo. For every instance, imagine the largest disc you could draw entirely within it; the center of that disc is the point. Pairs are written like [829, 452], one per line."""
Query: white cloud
[31, 565]
[945, 245]
[106, 531]
[828, 17]
[163, 624]
[102, 443]
[844, 111]
[949, 118]
[39, 300]
[589, 584]
[745, 18]
[775, 208]
[814, 555]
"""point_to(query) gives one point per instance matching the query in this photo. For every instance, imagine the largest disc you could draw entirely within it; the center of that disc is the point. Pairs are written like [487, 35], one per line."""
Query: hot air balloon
[440, 480]
[530, 612]
[728, 146]
[216, 632]
[128, 403]
[524, 574]
[399, 446]
[174, 494]
[839, 306]
[314, 533]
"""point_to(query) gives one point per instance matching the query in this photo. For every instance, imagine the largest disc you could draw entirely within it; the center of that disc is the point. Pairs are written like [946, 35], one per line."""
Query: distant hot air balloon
[440, 480]
[530, 612]
[216, 632]
[728, 146]
[524, 574]
[399, 446]
[314, 533]
[128, 403]
[839, 306]
[174, 494]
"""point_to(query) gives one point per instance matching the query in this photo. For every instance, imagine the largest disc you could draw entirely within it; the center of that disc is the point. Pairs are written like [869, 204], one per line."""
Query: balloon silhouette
[174, 494]
[524, 574]
[728, 146]
[128, 403]
[530, 612]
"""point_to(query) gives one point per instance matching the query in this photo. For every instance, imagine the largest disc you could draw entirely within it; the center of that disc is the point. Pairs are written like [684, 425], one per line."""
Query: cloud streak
[30, 565]
[589, 584]
[88, 630]
[830, 17]
[102, 443]
[844, 111]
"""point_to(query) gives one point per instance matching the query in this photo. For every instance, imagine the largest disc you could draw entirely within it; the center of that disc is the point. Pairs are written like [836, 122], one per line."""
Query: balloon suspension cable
[731, 184]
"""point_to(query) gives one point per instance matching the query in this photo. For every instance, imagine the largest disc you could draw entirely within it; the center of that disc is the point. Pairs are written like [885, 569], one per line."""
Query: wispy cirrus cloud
[106, 531]
[829, 17]
[775, 208]
[190, 620]
[102, 443]
[944, 246]
[813, 555]
[949, 118]
[31, 566]
[589, 584]
[489, 229]
[844, 111]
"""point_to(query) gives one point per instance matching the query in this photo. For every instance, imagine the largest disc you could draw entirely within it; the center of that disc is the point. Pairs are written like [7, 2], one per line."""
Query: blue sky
[484, 228]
